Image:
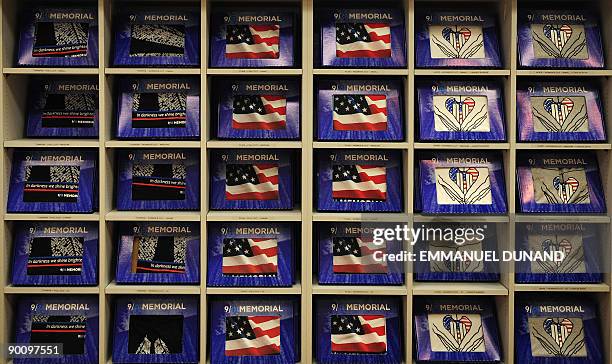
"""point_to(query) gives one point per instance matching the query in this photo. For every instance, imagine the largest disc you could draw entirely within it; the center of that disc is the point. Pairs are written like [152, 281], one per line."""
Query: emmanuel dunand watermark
[454, 243]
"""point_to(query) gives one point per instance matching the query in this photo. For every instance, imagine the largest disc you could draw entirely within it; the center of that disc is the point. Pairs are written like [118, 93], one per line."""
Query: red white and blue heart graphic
[460, 109]
[558, 34]
[565, 188]
[559, 109]
[458, 328]
[457, 38]
[463, 177]
[558, 329]
[563, 245]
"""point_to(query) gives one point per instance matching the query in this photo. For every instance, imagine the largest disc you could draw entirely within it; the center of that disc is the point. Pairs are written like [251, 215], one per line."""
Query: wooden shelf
[254, 71]
[224, 144]
[49, 71]
[563, 146]
[52, 217]
[295, 289]
[461, 218]
[459, 289]
[10, 289]
[361, 71]
[359, 290]
[460, 72]
[359, 216]
[114, 288]
[152, 144]
[562, 287]
[153, 216]
[468, 145]
[267, 215]
[360, 145]
[564, 73]
[562, 218]
[52, 143]
[152, 71]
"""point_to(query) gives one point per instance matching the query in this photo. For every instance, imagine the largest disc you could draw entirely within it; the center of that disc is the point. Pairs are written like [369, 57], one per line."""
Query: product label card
[560, 111]
[252, 180]
[458, 330]
[252, 38]
[358, 330]
[580, 244]
[150, 328]
[361, 38]
[454, 183]
[256, 332]
[559, 38]
[359, 110]
[154, 180]
[152, 37]
[459, 111]
[457, 39]
[53, 181]
[563, 328]
[560, 183]
[360, 181]
[71, 322]
[60, 37]
[350, 254]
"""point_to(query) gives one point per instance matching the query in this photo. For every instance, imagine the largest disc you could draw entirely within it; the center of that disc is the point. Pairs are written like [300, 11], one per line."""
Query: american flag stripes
[359, 182]
[360, 112]
[252, 335]
[363, 40]
[559, 110]
[251, 182]
[565, 189]
[558, 329]
[358, 334]
[252, 41]
[259, 112]
[356, 255]
[558, 34]
[464, 178]
[458, 328]
[250, 256]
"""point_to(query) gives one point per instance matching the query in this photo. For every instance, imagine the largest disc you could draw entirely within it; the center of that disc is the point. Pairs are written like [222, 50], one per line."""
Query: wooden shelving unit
[13, 97]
